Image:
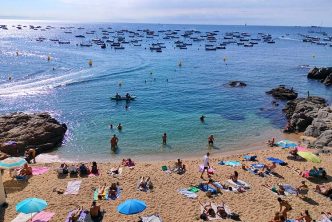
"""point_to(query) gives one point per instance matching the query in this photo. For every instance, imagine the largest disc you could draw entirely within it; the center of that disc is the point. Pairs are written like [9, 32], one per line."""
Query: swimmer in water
[202, 118]
[119, 127]
[111, 126]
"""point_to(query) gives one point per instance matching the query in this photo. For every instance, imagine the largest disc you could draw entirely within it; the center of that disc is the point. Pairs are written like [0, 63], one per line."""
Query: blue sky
[251, 12]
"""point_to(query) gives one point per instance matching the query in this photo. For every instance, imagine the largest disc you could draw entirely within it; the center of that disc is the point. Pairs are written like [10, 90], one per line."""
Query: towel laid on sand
[39, 170]
[84, 217]
[43, 217]
[104, 195]
[73, 187]
[276, 160]
[21, 217]
[187, 193]
[232, 163]
[215, 208]
[118, 193]
[239, 183]
[152, 218]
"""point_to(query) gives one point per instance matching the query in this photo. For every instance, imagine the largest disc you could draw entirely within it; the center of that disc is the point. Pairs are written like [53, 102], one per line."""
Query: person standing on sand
[286, 205]
[206, 164]
[114, 142]
[164, 137]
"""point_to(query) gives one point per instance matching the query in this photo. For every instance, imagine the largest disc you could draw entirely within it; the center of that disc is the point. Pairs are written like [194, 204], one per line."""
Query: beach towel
[205, 188]
[104, 195]
[83, 217]
[39, 170]
[276, 160]
[239, 183]
[193, 189]
[152, 218]
[21, 217]
[43, 217]
[73, 187]
[115, 174]
[249, 158]
[257, 165]
[187, 193]
[232, 163]
[289, 189]
[324, 218]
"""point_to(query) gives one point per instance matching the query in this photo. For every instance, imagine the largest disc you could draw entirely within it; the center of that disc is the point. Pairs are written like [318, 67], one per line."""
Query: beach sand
[258, 204]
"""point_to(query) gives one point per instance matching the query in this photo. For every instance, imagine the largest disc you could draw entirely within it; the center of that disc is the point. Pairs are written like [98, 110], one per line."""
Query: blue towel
[205, 188]
[230, 163]
[249, 158]
[257, 165]
[276, 160]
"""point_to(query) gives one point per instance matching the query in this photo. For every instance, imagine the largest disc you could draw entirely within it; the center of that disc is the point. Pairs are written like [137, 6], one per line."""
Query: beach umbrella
[309, 156]
[7, 164]
[286, 144]
[31, 205]
[12, 162]
[131, 206]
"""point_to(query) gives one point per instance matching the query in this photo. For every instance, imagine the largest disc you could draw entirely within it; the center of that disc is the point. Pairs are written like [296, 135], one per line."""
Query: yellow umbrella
[309, 156]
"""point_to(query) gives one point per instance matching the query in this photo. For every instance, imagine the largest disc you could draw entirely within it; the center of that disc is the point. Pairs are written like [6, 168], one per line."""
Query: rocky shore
[283, 93]
[21, 130]
[322, 74]
[312, 116]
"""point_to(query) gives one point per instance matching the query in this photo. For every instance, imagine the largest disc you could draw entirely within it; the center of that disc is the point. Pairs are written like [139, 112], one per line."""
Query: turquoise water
[79, 95]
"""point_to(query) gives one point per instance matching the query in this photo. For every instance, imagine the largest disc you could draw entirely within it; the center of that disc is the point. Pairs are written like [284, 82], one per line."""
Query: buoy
[48, 58]
[90, 62]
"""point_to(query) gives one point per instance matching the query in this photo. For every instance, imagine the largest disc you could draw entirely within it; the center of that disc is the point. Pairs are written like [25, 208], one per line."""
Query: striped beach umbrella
[12, 162]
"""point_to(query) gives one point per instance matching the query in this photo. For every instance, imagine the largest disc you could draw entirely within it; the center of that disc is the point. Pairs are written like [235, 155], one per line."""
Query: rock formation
[281, 92]
[20, 130]
[322, 74]
[237, 84]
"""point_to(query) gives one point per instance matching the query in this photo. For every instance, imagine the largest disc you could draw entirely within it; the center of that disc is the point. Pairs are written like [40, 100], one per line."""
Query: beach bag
[164, 168]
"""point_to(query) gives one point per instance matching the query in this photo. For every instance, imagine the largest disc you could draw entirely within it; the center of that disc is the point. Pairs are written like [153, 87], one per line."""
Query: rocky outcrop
[283, 93]
[237, 84]
[311, 116]
[322, 74]
[20, 130]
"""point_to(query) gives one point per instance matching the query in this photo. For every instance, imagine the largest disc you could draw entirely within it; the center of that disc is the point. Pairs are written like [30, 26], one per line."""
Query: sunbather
[327, 215]
[101, 191]
[63, 169]
[95, 212]
[270, 167]
[325, 190]
[75, 215]
[302, 189]
[280, 190]
[59, 190]
[128, 162]
[235, 176]
[213, 183]
[221, 212]
[83, 170]
[72, 169]
[25, 171]
[94, 168]
[293, 153]
[113, 191]
[305, 217]
[179, 167]
[144, 184]
[208, 210]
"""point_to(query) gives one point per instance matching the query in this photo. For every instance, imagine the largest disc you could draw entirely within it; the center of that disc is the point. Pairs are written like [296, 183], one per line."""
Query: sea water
[170, 98]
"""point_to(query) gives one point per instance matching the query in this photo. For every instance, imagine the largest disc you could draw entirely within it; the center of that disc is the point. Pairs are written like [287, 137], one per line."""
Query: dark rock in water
[323, 74]
[283, 93]
[21, 130]
[237, 84]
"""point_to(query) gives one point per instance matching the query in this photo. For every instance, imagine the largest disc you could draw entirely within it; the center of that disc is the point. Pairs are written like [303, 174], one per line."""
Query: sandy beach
[257, 204]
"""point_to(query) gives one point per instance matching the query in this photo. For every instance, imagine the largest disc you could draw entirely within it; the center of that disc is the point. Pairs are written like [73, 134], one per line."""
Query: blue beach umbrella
[131, 206]
[31, 205]
[12, 162]
[286, 144]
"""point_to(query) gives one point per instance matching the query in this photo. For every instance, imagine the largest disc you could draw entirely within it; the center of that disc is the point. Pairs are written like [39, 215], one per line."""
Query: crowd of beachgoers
[282, 182]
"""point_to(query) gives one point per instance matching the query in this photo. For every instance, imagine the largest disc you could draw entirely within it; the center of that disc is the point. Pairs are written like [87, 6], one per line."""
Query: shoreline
[253, 146]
